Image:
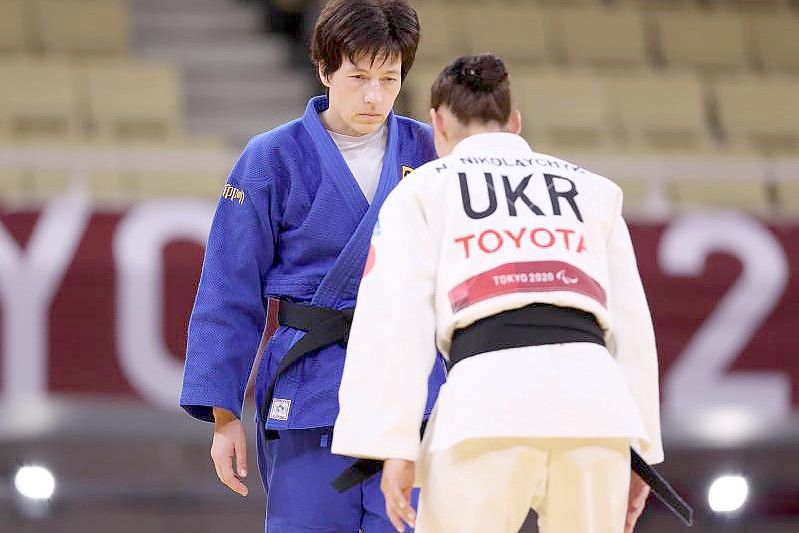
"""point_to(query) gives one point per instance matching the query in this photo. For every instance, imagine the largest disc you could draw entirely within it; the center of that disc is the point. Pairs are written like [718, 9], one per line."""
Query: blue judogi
[292, 224]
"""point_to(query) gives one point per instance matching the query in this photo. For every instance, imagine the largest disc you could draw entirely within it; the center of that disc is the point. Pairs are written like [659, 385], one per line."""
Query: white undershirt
[364, 156]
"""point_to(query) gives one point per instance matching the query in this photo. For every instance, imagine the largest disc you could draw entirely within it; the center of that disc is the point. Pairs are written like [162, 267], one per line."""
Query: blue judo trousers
[295, 502]
[293, 224]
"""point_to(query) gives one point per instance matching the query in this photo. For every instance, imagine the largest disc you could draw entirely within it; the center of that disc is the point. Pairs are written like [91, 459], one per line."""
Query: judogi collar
[344, 276]
[486, 142]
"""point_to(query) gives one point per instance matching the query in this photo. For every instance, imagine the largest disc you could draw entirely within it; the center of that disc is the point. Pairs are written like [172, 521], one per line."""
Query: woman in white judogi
[520, 267]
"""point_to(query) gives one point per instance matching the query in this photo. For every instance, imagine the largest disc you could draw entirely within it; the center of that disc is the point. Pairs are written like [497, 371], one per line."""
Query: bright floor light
[35, 482]
[728, 493]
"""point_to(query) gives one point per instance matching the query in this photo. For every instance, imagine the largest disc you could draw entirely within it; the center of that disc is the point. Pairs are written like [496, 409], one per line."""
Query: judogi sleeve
[633, 337]
[229, 311]
[391, 349]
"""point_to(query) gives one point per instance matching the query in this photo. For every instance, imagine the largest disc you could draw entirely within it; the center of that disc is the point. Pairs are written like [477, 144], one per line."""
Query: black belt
[323, 326]
[534, 325]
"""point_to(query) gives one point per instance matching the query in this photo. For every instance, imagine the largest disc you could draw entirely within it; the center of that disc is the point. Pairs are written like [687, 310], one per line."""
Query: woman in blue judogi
[294, 223]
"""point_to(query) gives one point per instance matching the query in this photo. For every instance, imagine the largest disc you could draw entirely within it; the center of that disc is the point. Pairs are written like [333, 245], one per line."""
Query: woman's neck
[475, 128]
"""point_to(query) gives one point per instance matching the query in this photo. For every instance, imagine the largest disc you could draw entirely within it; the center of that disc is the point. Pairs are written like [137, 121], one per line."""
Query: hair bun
[481, 73]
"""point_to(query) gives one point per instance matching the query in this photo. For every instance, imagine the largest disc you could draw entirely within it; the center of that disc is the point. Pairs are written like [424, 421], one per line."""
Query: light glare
[727, 493]
[35, 482]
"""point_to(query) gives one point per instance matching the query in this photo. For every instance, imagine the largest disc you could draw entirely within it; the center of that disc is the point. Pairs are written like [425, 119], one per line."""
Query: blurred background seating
[602, 37]
[81, 27]
[614, 77]
[39, 101]
[564, 111]
[14, 27]
[129, 100]
[661, 112]
[760, 114]
[710, 42]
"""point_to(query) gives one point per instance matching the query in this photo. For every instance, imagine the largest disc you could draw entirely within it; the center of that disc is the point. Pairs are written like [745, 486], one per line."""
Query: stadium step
[238, 80]
[239, 130]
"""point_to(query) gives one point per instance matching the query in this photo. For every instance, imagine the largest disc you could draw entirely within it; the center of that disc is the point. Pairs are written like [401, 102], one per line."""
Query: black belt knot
[308, 318]
[323, 327]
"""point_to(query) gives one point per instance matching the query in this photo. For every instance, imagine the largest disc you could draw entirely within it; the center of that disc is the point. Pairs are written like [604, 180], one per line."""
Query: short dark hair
[353, 29]
[474, 88]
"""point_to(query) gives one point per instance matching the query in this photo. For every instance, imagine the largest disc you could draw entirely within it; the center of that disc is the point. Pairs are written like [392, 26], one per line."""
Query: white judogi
[493, 227]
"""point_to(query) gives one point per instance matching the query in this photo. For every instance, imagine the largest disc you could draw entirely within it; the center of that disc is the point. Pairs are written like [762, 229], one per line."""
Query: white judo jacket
[492, 227]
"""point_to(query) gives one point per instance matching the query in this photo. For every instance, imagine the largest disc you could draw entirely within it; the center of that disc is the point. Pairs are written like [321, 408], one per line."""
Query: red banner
[529, 276]
[98, 303]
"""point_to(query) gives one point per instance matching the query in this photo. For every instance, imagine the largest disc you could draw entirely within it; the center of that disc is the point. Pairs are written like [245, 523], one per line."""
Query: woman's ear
[322, 76]
[437, 120]
[514, 124]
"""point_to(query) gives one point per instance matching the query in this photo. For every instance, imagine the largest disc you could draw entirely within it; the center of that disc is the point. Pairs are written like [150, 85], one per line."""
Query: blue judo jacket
[292, 223]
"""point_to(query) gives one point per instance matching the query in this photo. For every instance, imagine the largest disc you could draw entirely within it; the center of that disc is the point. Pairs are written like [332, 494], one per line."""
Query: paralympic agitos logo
[565, 278]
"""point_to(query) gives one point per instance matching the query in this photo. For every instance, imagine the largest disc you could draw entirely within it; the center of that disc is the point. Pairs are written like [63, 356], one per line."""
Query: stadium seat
[518, 35]
[776, 40]
[747, 6]
[14, 27]
[82, 27]
[442, 34]
[713, 41]
[760, 114]
[733, 182]
[111, 188]
[134, 101]
[416, 90]
[661, 113]
[11, 187]
[48, 184]
[41, 102]
[750, 196]
[114, 188]
[183, 184]
[635, 193]
[788, 197]
[659, 5]
[602, 37]
[563, 111]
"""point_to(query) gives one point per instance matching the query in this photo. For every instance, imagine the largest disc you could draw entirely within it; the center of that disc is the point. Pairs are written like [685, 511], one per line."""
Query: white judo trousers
[489, 485]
